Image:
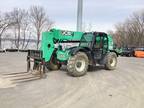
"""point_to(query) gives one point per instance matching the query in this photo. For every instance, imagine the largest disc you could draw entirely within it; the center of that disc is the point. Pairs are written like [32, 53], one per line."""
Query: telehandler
[90, 49]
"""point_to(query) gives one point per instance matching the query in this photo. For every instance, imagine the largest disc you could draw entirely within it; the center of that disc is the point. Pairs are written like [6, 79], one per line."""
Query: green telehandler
[88, 49]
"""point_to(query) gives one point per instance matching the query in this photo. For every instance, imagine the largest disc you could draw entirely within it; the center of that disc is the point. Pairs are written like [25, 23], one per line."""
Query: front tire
[111, 61]
[78, 64]
[53, 65]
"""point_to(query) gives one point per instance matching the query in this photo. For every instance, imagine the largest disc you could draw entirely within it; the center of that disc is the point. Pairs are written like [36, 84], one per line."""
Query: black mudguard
[75, 50]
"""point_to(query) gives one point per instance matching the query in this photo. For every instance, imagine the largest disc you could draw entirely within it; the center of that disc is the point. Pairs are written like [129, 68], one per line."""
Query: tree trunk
[18, 38]
[38, 39]
[23, 43]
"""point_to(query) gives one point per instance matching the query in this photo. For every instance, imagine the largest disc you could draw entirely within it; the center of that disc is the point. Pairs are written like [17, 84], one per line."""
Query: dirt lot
[121, 88]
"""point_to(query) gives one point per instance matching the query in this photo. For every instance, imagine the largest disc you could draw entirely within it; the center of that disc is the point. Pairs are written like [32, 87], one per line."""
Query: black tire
[53, 65]
[111, 61]
[78, 64]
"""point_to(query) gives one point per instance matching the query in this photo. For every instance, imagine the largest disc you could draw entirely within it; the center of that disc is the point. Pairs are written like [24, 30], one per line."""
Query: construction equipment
[139, 54]
[89, 49]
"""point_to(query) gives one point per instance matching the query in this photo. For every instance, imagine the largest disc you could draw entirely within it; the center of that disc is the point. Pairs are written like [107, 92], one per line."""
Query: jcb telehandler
[93, 48]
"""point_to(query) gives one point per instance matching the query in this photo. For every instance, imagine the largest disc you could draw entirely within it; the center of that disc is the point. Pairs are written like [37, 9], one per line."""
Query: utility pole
[79, 15]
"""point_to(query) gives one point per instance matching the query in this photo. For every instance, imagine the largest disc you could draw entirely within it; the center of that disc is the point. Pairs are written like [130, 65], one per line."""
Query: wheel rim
[80, 65]
[113, 62]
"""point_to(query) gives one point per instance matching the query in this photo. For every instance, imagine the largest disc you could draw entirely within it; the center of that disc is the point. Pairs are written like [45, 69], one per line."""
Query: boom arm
[49, 39]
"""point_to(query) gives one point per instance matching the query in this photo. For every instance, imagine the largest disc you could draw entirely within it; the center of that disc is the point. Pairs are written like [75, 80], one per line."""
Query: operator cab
[97, 42]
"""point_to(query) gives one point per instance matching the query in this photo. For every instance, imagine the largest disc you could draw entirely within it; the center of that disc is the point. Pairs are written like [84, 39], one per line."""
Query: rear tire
[111, 61]
[78, 64]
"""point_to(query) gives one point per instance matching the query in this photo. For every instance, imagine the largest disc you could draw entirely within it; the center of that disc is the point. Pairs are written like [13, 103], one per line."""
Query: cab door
[100, 46]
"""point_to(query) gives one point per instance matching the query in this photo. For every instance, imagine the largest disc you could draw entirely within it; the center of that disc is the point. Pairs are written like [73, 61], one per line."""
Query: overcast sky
[101, 14]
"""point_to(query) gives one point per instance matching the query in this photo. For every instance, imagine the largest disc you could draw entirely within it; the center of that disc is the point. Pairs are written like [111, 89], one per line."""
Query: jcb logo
[67, 33]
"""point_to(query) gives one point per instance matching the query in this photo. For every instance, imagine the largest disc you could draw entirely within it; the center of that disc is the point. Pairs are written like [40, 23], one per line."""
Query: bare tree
[40, 21]
[5, 22]
[131, 32]
[20, 28]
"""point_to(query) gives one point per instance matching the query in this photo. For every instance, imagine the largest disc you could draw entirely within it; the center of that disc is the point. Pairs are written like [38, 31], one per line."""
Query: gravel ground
[121, 88]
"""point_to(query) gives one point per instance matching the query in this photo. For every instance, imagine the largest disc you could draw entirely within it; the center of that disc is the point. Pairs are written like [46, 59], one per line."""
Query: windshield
[86, 40]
